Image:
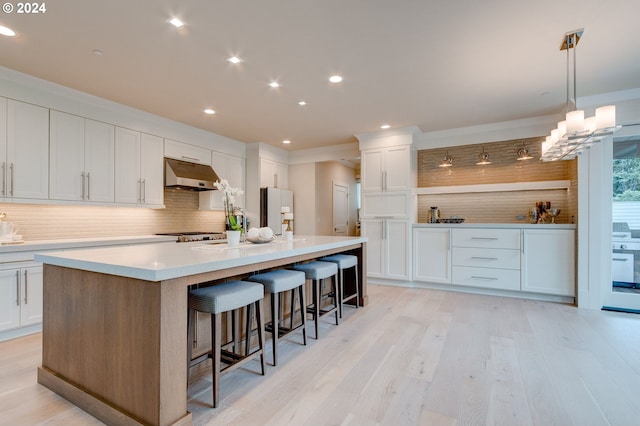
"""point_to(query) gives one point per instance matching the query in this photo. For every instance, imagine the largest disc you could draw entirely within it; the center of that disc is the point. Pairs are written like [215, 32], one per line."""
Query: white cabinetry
[25, 155]
[273, 174]
[548, 261]
[432, 255]
[386, 169]
[139, 169]
[388, 248]
[82, 159]
[488, 258]
[226, 167]
[186, 152]
[20, 297]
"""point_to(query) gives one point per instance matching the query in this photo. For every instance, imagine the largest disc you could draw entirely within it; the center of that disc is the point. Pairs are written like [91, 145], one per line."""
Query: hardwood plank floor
[412, 357]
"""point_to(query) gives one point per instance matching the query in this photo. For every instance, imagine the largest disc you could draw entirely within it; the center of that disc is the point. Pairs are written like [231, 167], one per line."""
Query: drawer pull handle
[483, 258]
[617, 259]
[473, 277]
[484, 238]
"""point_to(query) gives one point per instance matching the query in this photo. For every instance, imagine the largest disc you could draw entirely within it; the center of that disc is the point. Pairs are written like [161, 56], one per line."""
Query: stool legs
[355, 295]
[317, 297]
[216, 354]
[275, 327]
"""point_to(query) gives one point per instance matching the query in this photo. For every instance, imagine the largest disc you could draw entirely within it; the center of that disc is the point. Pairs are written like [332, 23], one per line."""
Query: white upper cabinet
[139, 168]
[82, 159]
[127, 176]
[152, 170]
[386, 169]
[26, 165]
[186, 152]
[3, 148]
[273, 174]
[226, 167]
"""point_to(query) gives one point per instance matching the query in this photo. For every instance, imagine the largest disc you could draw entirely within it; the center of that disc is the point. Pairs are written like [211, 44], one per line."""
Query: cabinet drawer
[486, 238]
[501, 279]
[486, 258]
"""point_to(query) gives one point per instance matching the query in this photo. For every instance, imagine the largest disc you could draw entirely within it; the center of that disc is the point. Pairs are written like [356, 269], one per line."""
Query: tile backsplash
[45, 222]
[494, 207]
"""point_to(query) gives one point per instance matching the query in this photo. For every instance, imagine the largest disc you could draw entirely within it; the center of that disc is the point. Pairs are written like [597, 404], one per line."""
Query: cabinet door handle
[18, 287]
[139, 190]
[474, 277]
[144, 190]
[483, 258]
[83, 188]
[484, 238]
[11, 187]
[4, 178]
[26, 287]
[88, 185]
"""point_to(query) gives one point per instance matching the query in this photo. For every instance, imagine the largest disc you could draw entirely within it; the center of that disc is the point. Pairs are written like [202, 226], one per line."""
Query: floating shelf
[496, 187]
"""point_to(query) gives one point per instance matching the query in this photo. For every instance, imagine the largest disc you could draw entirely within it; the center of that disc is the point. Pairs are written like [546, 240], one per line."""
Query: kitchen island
[114, 336]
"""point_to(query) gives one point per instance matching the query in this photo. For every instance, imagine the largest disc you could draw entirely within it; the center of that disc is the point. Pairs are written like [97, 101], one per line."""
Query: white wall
[302, 179]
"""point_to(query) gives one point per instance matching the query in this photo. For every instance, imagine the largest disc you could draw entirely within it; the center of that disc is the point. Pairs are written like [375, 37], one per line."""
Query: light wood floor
[412, 357]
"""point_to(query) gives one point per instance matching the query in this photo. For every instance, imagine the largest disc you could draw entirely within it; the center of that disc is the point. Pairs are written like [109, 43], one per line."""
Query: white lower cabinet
[20, 297]
[540, 261]
[432, 255]
[388, 248]
[548, 261]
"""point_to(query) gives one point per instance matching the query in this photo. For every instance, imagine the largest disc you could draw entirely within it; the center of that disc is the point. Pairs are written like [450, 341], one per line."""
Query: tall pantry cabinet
[388, 209]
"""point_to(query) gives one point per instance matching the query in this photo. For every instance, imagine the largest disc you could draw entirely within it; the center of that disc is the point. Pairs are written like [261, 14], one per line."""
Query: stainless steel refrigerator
[272, 200]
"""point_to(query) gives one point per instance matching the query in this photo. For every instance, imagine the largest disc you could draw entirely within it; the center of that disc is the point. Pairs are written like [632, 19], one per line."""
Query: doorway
[340, 209]
[624, 291]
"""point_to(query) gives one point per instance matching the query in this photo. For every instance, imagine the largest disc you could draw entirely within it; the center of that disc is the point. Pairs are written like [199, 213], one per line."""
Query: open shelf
[496, 187]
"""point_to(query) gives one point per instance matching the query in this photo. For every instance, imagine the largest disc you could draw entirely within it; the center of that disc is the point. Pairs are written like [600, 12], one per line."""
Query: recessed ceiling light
[97, 52]
[335, 78]
[385, 126]
[234, 59]
[286, 141]
[7, 31]
[176, 22]
[274, 84]
[209, 111]
[302, 103]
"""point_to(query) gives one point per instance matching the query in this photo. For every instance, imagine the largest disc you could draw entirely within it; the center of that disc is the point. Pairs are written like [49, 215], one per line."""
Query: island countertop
[157, 262]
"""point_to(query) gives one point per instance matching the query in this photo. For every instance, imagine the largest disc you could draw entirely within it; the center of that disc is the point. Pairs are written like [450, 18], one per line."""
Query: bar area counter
[114, 334]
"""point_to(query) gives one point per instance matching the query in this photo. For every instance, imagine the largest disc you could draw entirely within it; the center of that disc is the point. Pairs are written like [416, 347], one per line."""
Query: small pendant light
[447, 161]
[523, 153]
[483, 158]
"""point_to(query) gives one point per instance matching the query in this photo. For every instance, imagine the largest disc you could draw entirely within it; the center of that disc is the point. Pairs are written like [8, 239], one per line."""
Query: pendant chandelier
[577, 133]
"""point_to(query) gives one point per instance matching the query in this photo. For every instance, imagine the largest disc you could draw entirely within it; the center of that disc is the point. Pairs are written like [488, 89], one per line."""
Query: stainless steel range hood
[191, 176]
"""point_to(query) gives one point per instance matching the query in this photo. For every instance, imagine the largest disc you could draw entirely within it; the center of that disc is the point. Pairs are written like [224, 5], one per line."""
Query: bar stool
[276, 283]
[316, 272]
[216, 300]
[345, 261]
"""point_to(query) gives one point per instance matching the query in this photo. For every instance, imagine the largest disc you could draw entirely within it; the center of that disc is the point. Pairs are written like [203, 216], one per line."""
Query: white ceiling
[436, 64]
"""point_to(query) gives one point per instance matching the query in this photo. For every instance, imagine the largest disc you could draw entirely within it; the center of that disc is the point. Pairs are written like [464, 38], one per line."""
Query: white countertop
[65, 243]
[497, 225]
[157, 262]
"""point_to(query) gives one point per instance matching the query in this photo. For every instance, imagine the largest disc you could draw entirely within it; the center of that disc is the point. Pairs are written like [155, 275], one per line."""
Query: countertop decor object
[229, 199]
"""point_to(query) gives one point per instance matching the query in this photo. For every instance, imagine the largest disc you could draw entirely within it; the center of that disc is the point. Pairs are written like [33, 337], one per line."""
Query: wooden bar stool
[216, 300]
[345, 261]
[316, 272]
[277, 283]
